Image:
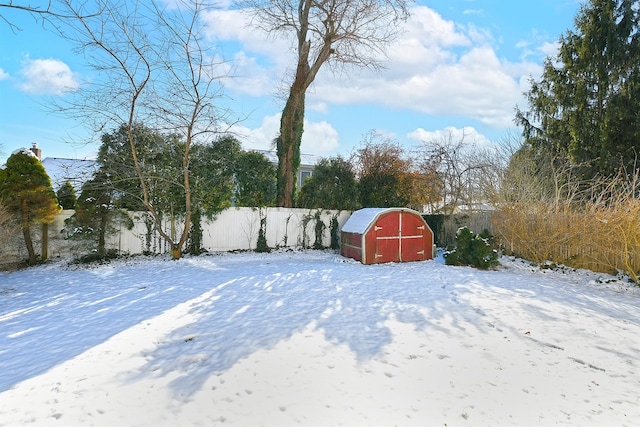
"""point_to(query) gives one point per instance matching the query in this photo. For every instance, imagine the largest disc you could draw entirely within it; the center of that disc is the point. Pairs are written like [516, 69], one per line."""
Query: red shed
[376, 235]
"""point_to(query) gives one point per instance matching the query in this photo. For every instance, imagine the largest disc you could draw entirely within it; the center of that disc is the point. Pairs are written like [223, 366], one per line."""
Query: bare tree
[463, 171]
[153, 69]
[536, 175]
[49, 11]
[338, 32]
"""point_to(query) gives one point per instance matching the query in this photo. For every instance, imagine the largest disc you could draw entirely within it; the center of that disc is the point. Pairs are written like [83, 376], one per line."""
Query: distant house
[76, 171]
[307, 164]
[60, 170]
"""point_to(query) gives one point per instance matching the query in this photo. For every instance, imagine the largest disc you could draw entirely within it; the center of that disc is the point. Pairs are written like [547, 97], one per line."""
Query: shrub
[98, 257]
[335, 232]
[67, 196]
[261, 245]
[475, 250]
[319, 229]
[194, 246]
[332, 186]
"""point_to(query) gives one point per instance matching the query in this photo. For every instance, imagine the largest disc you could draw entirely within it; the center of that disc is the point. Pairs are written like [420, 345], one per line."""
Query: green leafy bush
[475, 250]
[98, 257]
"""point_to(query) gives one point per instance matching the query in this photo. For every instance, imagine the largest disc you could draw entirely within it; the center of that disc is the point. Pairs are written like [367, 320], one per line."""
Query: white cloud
[433, 30]
[248, 77]
[47, 77]
[260, 62]
[549, 49]
[319, 138]
[436, 67]
[320, 107]
[467, 134]
[477, 84]
[260, 138]
[3, 74]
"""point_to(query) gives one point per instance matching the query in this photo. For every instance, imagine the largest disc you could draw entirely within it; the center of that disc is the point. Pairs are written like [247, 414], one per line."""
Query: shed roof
[360, 219]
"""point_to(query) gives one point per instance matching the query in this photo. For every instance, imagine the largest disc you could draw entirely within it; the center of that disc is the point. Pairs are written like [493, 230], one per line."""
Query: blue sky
[460, 66]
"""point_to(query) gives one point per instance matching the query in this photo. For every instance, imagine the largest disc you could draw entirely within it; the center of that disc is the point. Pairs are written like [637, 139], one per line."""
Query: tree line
[380, 173]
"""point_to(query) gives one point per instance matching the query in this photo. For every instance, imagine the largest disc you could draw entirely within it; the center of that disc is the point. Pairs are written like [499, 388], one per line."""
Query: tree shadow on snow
[348, 301]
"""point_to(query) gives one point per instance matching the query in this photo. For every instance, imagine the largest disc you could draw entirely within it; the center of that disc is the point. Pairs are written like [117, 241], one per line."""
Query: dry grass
[602, 233]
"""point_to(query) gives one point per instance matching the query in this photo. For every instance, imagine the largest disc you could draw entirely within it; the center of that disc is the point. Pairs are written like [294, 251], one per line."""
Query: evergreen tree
[212, 169]
[333, 185]
[255, 180]
[159, 164]
[95, 214]
[26, 192]
[212, 174]
[67, 196]
[586, 106]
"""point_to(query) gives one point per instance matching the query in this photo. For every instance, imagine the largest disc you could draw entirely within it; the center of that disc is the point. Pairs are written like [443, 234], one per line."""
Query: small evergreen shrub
[319, 230]
[98, 257]
[194, 246]
[334, 227]
[475, 250]
[67, 196]
[261, 245]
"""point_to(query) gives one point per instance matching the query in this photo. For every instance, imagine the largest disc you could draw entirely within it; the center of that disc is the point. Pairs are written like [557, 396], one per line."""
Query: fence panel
[232, 229]
[445, 227]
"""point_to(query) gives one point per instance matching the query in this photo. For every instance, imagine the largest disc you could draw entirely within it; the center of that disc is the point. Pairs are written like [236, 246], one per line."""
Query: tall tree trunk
[102, 249]
[45, 242]
[288, 145]
[26, 232]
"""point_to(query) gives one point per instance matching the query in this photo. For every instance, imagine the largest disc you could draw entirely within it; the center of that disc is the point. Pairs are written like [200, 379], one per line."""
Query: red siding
[351, 245]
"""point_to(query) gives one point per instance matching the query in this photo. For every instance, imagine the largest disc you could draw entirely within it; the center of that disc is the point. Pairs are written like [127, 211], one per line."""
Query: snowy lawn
[313, 339]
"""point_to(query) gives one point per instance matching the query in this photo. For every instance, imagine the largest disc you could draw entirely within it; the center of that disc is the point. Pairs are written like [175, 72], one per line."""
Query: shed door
[399, 237]
[387, 229]
[412, 240]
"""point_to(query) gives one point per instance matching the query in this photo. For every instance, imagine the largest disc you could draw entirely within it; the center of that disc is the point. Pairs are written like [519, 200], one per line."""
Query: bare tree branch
[51, 12]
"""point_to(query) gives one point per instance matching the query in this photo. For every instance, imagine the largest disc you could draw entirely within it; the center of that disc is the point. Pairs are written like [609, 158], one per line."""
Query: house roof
[305, 159]
[76, 171]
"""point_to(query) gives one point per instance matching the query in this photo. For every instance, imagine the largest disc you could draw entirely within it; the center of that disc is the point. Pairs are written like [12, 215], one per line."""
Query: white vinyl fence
[232, 229]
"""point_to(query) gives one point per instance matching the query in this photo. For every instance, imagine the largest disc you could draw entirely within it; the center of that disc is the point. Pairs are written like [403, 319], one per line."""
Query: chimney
[35, 150]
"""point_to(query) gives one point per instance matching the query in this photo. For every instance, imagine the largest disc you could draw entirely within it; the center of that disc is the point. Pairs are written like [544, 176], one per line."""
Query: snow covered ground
[313, 339]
